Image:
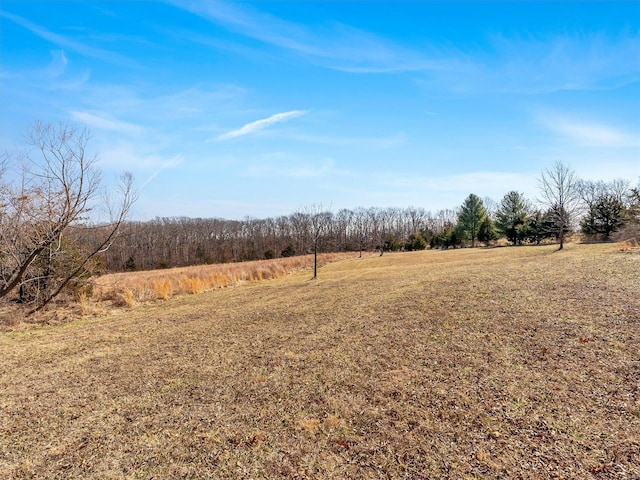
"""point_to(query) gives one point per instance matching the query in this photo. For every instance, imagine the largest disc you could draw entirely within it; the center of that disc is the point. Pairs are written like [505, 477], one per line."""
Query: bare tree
[560, 192]
[415, 219]
[319, 220]
[45, 206]
[491, 207]
[361, 227]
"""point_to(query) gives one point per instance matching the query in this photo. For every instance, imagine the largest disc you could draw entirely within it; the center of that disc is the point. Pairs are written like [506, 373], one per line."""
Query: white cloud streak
[508, 64]
[67, 43]
[129, 156]
[170, 163]
[104, 122]
[568, 61]
[319, 169]
[590, 134]
[384, 142]
[332, 45]
[261, 124]
[58, 64]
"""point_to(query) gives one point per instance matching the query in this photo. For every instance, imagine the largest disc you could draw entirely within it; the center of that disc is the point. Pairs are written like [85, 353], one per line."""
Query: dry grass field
[130, 289]
[476, 363]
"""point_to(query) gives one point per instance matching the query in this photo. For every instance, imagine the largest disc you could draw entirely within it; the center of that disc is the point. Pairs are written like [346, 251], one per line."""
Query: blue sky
[234, 109]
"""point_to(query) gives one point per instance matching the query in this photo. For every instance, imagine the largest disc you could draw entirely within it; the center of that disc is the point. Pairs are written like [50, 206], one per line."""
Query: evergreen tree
[512, 217]
[540, 225]
[487, 231]
[471, 215]
[605, 216]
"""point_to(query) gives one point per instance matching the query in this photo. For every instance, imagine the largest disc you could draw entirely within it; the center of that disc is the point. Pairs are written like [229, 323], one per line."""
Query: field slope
[510, 362]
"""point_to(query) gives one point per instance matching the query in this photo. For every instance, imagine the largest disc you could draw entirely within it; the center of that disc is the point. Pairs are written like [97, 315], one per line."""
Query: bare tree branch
[560, 192]
[56, 189]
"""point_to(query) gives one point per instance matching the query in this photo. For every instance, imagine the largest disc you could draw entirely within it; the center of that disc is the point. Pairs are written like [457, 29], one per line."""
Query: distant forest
[599, 210]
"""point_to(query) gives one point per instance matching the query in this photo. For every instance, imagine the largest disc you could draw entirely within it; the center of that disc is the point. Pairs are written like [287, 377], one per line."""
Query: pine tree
[604, 217]
[511, 216]
[471, 215]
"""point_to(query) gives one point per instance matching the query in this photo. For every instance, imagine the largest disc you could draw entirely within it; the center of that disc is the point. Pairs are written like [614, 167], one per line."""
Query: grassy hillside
[511, 362]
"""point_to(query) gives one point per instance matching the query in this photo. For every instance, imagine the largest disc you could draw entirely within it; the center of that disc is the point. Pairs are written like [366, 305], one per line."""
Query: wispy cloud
[567, 61]
[537, 63]
[151, 116]
[170, 163]
[68, 43]
[137, 158]
[58, 64]
[483, 182]
[104, 122]
[285, 167]
[261, 124]
[382, 142]
[442, 190]
[589, 133]
[333, 45]
[541, 64]
[197, 100]
[55, 75]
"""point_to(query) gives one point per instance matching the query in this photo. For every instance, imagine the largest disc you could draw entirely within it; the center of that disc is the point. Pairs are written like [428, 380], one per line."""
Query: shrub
[130, 264]
[415, 242]
[392, 244]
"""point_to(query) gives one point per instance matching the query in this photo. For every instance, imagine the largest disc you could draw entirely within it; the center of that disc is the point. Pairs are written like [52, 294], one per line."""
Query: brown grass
[501, 363]
[135, 288]
[163, 288]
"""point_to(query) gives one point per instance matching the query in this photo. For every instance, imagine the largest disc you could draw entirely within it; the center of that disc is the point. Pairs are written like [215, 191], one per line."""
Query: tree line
[567, 203]
[170, 242]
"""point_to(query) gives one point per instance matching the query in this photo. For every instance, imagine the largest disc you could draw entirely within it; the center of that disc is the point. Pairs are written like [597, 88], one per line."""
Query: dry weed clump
[218, 280]
[84, 304]
[127, 298]
[163, 288]
[191, 285]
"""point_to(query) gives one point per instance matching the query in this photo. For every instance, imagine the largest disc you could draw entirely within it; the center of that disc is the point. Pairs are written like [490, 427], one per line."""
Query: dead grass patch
[483, 363]
[136, 288]
[163, 288]
[628, 246]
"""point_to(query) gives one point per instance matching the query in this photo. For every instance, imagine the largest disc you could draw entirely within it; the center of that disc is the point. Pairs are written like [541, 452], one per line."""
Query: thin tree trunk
[315, 260]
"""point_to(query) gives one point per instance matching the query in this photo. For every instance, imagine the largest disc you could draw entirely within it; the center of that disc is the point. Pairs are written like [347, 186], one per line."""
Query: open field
[492, 363]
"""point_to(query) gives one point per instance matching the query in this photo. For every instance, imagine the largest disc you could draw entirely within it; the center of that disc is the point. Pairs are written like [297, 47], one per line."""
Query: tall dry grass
[133, 288]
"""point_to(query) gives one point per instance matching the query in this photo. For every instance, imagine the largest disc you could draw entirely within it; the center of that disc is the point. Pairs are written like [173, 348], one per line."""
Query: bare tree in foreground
[560, 192]
[43, 207]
